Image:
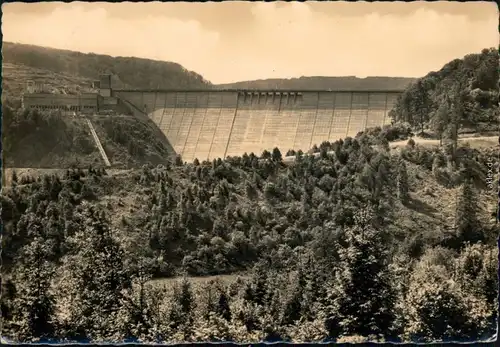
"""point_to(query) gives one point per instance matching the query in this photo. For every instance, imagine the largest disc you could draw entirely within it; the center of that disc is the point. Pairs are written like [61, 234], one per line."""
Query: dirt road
[480, 141]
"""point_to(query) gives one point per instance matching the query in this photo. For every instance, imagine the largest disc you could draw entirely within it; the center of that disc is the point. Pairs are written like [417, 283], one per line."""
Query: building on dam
[208, 124]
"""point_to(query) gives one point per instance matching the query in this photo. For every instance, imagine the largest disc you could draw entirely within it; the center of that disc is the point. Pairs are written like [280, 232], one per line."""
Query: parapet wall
[208, 125]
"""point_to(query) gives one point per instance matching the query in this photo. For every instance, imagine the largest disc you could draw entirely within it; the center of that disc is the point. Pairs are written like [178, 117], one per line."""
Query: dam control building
[209, 124]
[36, 97]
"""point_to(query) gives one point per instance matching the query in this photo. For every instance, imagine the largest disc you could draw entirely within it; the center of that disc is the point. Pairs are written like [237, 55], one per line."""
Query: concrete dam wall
[208, 125]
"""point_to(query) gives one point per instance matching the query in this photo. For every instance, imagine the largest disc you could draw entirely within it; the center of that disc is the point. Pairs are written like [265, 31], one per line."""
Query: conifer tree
[293, 300]
[93, 280]
[184, 304]
[266, 155]
[402, 182]
[223, 308]
[436, 308]
[364, 295]
[467, 214]
[178, 160]
[136, 320]
[314, 293]
[34, 304]
[456, 116]
[250, 190]
[441, 119]
[276, 155]
[14, 177]
[421, 104]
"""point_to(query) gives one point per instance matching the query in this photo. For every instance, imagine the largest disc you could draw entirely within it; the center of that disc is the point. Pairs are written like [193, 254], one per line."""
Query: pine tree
[93, 279]
[402, 182]
[34, 305]
[456, 117]
[276, 155]
[181, 313]
[178, 160]
[223, 308]
[314, 293]
[265, 155]
[421, 104]
[437, 309]
[467, 215]
[293, 301]
[136, 314]
[441, 120]
[14, 177]
[251, 191]
[364, 295]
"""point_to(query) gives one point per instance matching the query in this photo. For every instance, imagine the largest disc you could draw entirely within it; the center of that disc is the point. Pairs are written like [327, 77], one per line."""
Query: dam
[220, 123]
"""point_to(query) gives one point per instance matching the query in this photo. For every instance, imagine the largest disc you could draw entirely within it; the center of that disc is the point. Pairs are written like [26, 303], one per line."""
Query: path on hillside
[424, 141]
[98, 143]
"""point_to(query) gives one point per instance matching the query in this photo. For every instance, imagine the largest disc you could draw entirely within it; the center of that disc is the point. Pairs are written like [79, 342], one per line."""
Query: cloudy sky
[235, 41]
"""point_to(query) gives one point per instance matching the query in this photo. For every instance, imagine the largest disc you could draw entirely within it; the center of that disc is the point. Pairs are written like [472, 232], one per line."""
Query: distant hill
[127, 71]
[56, 67]
[324, 83]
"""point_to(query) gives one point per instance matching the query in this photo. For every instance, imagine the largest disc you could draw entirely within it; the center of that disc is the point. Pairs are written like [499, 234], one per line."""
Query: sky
[239, 41]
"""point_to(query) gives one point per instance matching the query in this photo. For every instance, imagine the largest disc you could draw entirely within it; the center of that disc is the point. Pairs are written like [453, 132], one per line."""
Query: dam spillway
[217, 124]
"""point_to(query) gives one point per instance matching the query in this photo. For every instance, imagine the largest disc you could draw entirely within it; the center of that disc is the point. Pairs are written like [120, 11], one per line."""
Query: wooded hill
[463, 94]
[26, 62]
[324, 83]
[35, 139]
[127, 72]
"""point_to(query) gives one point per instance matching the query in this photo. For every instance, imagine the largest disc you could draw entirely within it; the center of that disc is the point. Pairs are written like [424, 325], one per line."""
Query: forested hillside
[35, 139]
[324, 83]
[24, 62]
[361, 242]
[354, 243]
[462, 95]
[127, 72]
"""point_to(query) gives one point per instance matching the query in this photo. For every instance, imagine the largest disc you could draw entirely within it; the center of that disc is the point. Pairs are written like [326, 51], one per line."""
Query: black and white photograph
[250, 172]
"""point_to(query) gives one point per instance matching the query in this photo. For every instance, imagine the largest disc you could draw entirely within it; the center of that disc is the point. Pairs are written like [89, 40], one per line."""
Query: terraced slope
[15, 77]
